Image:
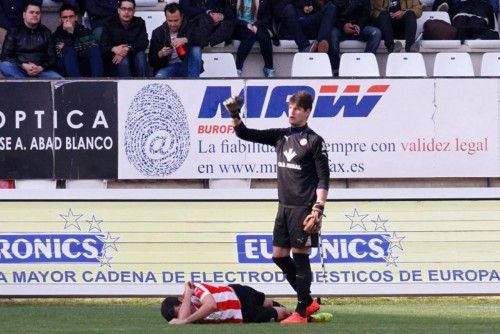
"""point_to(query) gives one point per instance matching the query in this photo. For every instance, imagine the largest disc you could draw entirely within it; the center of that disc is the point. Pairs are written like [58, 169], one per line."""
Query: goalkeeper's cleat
[321, 317]
[312, 308]
[295, 318]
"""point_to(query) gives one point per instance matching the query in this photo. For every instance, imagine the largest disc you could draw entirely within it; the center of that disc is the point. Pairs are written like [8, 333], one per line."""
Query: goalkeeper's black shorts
[289, 229]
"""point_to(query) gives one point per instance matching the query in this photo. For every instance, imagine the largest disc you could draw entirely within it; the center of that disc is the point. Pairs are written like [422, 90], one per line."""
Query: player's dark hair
[302, 99]
[167, 307]
[120, 2]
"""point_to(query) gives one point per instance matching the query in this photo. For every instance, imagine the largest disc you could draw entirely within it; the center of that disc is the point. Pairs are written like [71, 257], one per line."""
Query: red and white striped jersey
[228, 304]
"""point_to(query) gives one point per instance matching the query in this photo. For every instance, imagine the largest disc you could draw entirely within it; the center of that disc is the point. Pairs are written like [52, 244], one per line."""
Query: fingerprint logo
[156, 131]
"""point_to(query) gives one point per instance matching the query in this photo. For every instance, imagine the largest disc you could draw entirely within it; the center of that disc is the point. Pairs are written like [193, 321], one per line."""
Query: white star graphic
[391, 259]
[94, 224]
[71, 220]
[104, 260]
[380, 224]
[109, 242]
[357, 220]
[394, 241]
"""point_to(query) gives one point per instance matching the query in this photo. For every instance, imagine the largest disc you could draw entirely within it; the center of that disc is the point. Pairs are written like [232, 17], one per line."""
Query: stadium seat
[453, 64]
[146, 3]
[358, 65]
[405, 65]
[153, 20]
[36, 184]
[6, 184]
[490, 64]
[482, 44]
[311, 65]
[86, 184]
[218, 65]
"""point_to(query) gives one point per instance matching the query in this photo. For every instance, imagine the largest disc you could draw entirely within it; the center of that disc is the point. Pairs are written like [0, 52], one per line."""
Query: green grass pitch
[454, 315]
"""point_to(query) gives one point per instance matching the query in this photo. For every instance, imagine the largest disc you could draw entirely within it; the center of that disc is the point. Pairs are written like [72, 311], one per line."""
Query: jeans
[303, 27]
[371, 35]
[405, 27]
[11, 70]
[248, 38]
[133, 65]
[189, 67]
[88, 63]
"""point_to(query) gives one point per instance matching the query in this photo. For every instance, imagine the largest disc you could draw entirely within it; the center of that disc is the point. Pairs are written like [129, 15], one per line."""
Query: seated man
[218, 11]
[77, 50]
[352, 23]
[234, 303]
[124, 41]
[28, 50]
[397, 18]
[173, 52]
[11, 13]
[99, 13]
[305, 20]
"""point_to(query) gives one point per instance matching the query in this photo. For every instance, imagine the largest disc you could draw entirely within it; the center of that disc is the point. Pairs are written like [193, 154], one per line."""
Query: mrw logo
[289, 154]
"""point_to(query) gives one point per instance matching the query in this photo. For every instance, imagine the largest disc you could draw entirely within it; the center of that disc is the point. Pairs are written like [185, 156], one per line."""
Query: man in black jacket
[220, 13]
[124, 41]
[175, 50]
[77, 50]
[28, 50]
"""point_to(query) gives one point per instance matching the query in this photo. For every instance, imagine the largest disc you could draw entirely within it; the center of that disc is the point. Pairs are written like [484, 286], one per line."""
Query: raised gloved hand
[233, 105]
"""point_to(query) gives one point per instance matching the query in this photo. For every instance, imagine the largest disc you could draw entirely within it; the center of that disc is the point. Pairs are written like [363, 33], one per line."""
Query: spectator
[474, 19]
[28, 50]
[450, 6]
[11, 13]
[397, 18]
[220, 13]
[352, 23]
[305, 20]
[253, 19]
[173, 34]
[124, 42]
[77, 50]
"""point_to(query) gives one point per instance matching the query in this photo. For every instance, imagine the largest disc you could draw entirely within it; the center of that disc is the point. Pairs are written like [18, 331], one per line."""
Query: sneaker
[269, 72]
[323, 46]
[443, 7]
[239, 73]
[295, 318]
[312, 308]
[321, 317]
[313, 47]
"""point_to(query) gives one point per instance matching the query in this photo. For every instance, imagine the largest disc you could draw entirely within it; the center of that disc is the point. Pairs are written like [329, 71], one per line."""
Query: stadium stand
[453, 64]
[405, 65]
[311, 65]
[358, 65]
[490, 64]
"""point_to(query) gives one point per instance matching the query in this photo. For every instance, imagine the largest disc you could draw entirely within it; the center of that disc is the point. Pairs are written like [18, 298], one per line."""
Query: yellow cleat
[321, 317]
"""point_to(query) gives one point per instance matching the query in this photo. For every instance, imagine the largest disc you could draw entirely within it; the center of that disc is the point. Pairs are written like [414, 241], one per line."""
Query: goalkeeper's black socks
[287, 265]
[303, 281]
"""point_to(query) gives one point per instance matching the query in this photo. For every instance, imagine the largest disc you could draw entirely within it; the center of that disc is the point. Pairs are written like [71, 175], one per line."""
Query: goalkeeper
[303, 178]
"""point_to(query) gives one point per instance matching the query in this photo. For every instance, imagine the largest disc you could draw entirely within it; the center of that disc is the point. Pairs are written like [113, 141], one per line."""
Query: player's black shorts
[289, 230]
[252, 302]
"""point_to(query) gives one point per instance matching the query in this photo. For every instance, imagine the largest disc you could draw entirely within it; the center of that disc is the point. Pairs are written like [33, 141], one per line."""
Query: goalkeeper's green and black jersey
[302, 161]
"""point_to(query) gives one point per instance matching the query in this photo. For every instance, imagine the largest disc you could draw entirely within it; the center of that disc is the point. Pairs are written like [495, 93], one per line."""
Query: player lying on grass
[233, 303]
